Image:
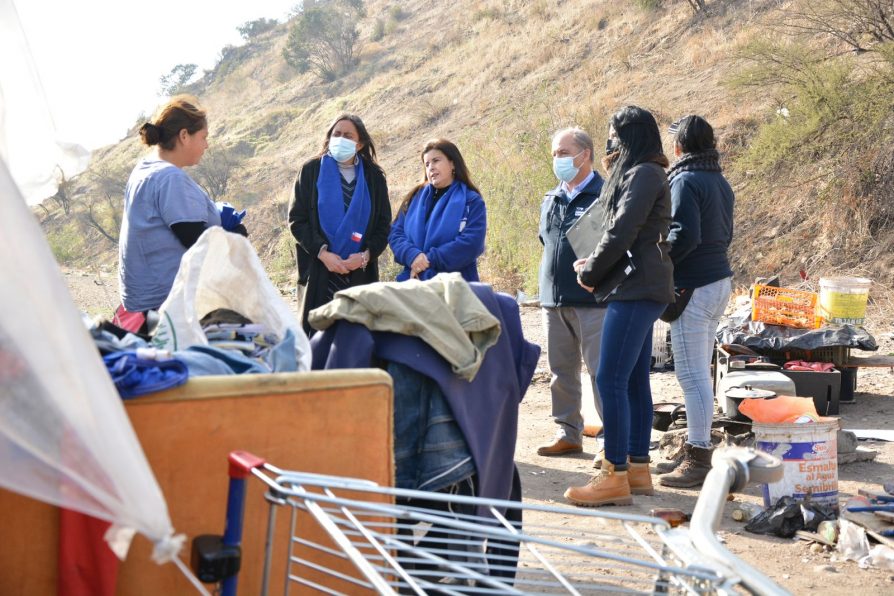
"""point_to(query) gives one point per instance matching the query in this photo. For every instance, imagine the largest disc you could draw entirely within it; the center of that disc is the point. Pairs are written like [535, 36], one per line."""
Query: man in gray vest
[572, 319]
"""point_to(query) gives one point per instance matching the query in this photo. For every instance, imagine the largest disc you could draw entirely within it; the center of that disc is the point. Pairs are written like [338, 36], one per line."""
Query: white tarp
[28, 143]
[64, 435]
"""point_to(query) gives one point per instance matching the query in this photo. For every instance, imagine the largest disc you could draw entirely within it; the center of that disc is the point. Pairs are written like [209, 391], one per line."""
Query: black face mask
[612, 145]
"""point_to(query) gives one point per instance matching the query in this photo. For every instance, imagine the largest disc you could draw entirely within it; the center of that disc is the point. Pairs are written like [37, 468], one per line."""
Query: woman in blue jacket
[700, 235]
[441, 224]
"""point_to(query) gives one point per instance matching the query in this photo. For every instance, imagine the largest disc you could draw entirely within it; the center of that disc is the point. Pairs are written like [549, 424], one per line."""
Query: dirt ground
[791, 563]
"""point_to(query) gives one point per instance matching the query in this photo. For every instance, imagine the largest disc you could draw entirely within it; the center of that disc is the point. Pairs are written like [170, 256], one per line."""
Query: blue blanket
[344, 230]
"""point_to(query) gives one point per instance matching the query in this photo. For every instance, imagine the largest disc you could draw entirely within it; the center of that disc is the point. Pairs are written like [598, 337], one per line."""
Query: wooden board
[330, 422]
[879, 361]
[872, 524]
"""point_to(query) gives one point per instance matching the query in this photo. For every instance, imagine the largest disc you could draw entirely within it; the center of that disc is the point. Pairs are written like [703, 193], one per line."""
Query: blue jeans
[692, 337]
[623, 378]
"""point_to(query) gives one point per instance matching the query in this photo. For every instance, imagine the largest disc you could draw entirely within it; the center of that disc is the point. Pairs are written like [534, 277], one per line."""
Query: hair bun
[151, 134]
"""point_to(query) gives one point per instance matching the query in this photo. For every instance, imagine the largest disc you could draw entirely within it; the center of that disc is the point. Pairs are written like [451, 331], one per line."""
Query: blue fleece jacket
[702, 228]
[460, 254]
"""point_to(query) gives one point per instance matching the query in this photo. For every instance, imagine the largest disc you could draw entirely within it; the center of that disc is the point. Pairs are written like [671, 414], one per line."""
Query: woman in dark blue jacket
[441, 223]
[700, 235]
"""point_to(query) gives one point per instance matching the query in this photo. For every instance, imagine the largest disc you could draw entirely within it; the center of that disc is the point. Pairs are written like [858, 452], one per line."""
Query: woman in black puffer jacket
[637, 205]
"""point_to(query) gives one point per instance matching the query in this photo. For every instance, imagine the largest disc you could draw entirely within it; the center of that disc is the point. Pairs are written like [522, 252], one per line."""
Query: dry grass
[490, 72]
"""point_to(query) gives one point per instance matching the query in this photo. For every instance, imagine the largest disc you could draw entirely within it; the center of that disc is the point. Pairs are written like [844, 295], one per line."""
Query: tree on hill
[104, 203]
[214, 171]
[173, 82]
[323, 38]
[251, 29]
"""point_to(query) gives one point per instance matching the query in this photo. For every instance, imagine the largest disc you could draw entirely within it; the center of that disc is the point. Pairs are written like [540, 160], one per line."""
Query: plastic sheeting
[64, 435]
[28, 143]
[740, 329]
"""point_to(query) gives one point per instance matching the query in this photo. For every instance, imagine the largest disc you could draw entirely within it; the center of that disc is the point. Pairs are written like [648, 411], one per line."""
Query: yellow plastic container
[842, 300]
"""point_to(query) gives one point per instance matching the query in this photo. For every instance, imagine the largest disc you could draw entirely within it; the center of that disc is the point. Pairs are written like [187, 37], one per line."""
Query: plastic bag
[788, 516]
[222, 270]
[781, 409]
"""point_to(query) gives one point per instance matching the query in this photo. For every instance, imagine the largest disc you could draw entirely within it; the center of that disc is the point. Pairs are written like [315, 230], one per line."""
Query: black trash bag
[738, 328]
[788, 516]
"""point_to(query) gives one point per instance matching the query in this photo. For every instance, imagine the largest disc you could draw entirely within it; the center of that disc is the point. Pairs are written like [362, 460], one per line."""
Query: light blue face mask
[564, 168]
[342, 149]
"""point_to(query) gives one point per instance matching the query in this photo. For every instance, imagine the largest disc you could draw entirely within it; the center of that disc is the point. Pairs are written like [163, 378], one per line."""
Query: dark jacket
[460, 254]
[640, 224]
[486, 408]
[702, 227]
[304, 221]
[558, 281]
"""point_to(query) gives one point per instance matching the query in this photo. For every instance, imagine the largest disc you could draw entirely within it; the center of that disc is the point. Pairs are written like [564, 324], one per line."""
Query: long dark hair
[367, 152]
[640, 142]
[460, 171]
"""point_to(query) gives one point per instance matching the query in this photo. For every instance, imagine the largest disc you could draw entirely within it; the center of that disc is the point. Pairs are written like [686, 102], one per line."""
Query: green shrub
[396, 13]
[513, 178]
[378, 31]
[66, 243]
[648, 4]
[323, 37]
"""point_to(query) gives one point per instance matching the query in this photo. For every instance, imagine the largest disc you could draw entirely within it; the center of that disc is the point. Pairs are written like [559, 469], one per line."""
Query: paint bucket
[842, 300]
[809, 454]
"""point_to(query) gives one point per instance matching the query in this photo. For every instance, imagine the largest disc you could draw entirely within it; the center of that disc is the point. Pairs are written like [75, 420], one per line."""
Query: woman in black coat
[340, 216]
[637, 209]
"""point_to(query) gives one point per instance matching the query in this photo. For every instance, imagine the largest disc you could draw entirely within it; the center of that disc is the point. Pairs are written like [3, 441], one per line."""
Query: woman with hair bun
[441, 223]
[165, 211]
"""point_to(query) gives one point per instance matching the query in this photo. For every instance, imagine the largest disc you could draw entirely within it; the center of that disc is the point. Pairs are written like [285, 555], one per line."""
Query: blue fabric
[485, 409]
[623, 378]
[135, 376]
[558, 280]
[229, 217]
[702, 204]
[443, 223]
[158, 194]
[452, 238]
[344, 229]
[430, 452]
[208, 360]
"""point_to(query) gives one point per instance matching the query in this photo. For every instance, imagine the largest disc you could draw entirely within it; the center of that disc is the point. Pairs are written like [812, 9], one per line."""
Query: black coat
[304, 221]
[641, 223]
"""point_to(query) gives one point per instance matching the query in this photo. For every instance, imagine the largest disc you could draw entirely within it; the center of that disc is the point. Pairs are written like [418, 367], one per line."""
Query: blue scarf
[443, 225]
[344, 230]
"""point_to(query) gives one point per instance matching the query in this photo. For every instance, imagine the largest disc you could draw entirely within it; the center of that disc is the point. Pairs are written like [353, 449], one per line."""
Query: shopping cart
[352, 536]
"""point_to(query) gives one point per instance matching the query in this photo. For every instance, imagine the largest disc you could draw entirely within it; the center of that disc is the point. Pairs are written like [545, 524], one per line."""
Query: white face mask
[564, 168]
[342, 148]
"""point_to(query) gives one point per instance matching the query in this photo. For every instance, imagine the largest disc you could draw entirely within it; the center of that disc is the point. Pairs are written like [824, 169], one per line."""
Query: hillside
[498, 77]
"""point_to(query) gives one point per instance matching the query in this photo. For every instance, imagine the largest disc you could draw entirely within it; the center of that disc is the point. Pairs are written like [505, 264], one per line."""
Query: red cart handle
[242, 463]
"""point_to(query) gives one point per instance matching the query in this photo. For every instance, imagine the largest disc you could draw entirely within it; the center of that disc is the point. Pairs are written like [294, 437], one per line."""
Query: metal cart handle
[731, 470]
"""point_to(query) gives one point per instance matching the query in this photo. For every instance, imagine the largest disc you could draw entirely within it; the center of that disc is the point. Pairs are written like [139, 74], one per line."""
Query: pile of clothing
[236, 345]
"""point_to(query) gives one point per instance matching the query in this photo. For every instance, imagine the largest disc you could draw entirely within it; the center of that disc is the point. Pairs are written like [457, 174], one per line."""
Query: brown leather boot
[692, 470]
[671, 465]
[640, 479]
[559, 447]
[608, 487]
